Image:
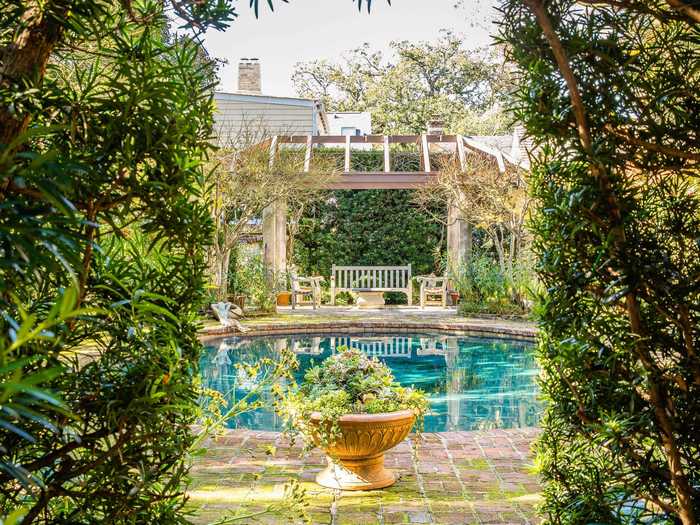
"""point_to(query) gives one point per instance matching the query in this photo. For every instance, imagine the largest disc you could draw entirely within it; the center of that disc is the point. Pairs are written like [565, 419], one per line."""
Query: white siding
[249, 121]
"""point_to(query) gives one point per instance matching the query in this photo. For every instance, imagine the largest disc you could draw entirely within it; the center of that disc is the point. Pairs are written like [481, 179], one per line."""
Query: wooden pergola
[458, 231]
[388, 178]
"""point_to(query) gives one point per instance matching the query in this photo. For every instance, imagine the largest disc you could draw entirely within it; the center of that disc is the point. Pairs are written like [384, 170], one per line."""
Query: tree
[491, 202]
[608, 90]
[244, 182]
[422, 82]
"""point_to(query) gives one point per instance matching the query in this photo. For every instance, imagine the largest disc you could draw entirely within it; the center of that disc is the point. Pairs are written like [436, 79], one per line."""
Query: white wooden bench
[371, 278]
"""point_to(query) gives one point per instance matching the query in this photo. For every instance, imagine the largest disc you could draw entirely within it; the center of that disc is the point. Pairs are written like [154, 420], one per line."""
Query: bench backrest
[380, 278]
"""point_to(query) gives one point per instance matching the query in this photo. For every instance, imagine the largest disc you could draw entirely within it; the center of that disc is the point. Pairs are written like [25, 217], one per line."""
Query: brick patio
[454, 478]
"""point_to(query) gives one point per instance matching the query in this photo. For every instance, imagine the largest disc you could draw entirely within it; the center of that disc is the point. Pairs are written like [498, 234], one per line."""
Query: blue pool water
[472, 383]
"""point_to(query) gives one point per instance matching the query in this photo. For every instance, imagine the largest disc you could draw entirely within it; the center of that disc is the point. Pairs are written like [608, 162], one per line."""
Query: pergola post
[459, 237]
[275, 237]
[274, 224]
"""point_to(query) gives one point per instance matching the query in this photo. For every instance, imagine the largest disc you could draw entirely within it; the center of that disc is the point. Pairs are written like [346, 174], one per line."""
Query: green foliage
[254, 281]
[484, 288]
[102, 235]
[481, 285]
[348, 382]
[219, 407]
[616, 232]
[423, 81]
[367, 227]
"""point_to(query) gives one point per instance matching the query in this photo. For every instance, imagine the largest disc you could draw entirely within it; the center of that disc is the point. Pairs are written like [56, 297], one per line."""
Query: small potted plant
[284, 298]
[350, 406]
[454, 297]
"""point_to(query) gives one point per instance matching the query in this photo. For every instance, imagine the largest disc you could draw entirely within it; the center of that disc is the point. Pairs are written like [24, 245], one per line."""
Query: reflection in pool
[472, 383]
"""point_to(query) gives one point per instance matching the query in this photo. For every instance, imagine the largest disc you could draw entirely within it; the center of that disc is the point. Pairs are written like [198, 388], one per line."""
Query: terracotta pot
[356, 458]
[284, 299]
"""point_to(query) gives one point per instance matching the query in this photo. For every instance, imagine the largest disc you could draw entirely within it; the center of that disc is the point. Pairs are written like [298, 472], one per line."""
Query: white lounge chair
[432, 286]
[306, 287]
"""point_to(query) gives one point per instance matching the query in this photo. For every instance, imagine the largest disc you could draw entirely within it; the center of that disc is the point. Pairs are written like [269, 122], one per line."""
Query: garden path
[479, 477]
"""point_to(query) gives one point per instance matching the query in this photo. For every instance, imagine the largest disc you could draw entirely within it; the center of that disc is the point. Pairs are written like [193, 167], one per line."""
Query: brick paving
[448, 478]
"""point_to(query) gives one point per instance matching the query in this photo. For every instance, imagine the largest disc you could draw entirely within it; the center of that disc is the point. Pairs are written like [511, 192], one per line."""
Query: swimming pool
[472, 383]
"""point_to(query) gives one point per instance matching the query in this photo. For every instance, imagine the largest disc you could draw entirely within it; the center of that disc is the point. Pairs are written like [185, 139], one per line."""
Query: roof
[267, 99]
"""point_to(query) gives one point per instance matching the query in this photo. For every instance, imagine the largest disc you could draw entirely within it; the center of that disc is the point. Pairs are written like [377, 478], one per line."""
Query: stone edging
[354, 326]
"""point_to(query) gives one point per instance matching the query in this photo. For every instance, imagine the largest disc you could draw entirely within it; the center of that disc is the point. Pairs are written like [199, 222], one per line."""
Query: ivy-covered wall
[369, 227]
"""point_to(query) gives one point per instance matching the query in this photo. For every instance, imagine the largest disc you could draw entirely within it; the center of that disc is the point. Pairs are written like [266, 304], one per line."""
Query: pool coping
[469, 329]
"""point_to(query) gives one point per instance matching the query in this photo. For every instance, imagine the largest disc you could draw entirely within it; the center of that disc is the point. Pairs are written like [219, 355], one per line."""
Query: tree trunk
[497, 243]
[23, 61]
[222, 274]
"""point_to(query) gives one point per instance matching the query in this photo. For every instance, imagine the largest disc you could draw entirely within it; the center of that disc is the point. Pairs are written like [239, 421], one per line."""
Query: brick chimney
[436, 127]
[249, 76]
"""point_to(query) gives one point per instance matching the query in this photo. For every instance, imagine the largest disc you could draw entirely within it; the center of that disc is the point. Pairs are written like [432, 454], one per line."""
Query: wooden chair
[306, 287]
[431, 285]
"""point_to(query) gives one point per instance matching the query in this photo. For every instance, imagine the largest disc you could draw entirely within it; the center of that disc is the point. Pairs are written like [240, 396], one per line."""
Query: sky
[305, 30]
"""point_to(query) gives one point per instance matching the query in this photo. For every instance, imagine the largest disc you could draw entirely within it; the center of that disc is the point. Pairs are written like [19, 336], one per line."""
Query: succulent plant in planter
[351, 407]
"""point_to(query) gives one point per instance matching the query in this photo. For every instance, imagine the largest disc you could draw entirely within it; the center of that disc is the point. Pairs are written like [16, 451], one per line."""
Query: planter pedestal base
[356, 474]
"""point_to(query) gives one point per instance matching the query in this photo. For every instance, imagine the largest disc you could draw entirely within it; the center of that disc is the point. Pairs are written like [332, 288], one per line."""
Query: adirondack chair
[306, 287]
[431, 285]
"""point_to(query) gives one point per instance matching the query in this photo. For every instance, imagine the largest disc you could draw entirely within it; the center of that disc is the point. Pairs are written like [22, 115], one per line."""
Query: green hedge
[369, 227]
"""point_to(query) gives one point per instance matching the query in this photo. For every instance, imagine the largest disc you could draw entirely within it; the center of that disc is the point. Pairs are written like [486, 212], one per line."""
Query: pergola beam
[425, 152]
[484, 148]
[387, 178]
[461, 154]
[273, 151]
[307, 156]
[381, 180]
[367, 139]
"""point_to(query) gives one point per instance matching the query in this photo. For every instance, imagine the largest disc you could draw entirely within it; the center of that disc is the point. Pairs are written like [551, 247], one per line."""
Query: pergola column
[274, 228]
[459, 237]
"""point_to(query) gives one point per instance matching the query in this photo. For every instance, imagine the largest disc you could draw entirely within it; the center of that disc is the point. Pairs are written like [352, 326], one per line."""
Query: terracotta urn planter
[356, 458]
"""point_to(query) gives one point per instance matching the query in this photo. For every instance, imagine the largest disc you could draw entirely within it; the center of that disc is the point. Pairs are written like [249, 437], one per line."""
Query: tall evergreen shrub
[609, 91]
[104, 125]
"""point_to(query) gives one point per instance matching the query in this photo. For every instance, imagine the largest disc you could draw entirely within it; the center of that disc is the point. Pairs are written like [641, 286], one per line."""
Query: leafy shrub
[104, 127]
[609, 93]
[348, 382]
[254, 280]
[483, 288]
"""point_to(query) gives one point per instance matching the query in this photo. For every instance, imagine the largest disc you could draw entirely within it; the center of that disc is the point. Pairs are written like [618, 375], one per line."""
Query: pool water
[471, 383]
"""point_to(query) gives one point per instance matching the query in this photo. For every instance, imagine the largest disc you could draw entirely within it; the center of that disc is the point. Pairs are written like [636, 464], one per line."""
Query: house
[247, 116]
[350, 123]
